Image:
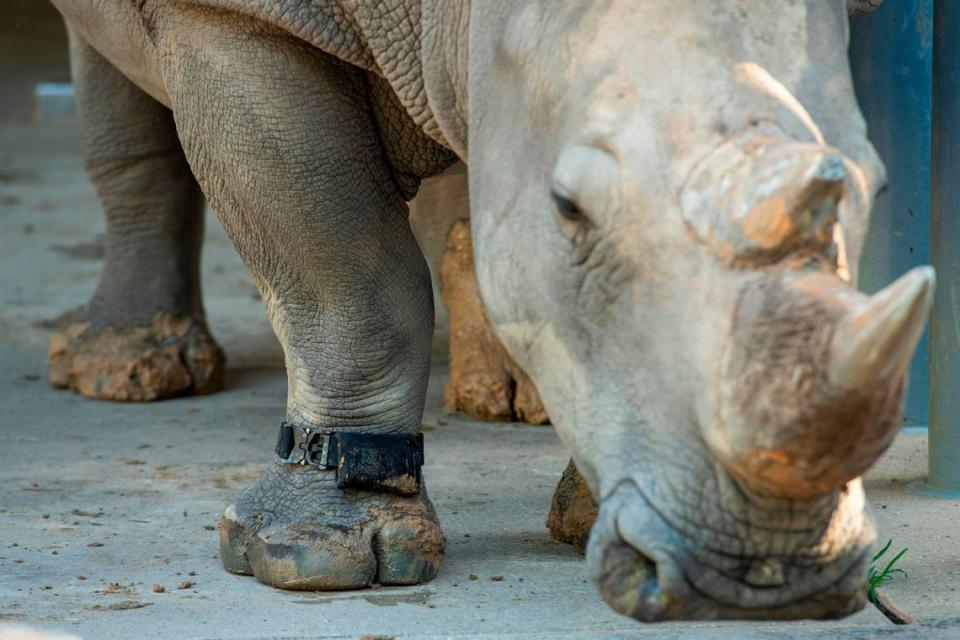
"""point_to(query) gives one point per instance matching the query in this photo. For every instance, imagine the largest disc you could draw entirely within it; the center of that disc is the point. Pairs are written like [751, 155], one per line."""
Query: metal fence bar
[891, 58]
[944, 452]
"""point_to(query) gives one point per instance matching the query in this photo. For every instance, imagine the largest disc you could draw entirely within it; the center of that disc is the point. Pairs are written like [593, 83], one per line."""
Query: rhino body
[668, 202]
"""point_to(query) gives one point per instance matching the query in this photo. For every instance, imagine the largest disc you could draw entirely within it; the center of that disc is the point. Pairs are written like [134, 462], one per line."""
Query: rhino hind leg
[573, 510]
[172, 356]
[305, 191]
[484, 381]
[143, 336]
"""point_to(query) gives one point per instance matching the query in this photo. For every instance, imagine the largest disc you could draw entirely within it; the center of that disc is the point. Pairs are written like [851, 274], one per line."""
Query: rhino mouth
[649, 569]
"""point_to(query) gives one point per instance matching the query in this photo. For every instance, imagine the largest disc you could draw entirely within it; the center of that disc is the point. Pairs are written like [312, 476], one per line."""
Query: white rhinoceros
[669, 200]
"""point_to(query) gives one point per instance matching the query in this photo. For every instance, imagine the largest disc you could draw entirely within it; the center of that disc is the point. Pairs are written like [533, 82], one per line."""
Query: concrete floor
[99, 502]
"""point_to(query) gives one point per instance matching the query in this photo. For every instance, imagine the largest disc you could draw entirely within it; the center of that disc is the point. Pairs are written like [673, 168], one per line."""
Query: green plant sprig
[877, 577]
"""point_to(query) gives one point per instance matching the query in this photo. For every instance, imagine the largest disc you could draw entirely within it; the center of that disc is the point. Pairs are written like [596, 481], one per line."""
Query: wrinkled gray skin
[308, 124]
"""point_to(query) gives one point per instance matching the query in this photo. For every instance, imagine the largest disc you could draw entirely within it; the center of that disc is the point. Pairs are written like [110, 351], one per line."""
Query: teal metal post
[945, 249]
[891, 57]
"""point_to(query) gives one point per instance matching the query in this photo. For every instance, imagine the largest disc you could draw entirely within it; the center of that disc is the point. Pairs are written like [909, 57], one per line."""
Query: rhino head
[669, 203]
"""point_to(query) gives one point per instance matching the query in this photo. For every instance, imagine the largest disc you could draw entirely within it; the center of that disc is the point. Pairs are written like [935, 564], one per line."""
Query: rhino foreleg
[283, 143]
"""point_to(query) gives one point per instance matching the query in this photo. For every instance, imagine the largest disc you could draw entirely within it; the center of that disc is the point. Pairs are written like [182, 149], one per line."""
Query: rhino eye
[567, 207]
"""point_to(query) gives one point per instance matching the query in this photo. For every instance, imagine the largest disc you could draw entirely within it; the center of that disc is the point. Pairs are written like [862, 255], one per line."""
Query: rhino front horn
[874, 343]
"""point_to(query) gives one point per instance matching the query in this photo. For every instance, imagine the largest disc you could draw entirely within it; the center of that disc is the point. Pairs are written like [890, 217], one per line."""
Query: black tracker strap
[387, 463]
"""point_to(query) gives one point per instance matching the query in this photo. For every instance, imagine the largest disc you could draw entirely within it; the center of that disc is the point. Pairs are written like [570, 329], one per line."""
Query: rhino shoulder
[382, 37]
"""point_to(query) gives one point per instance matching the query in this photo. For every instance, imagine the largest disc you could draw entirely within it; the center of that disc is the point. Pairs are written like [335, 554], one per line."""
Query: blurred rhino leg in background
[143, 336]
[484, 381]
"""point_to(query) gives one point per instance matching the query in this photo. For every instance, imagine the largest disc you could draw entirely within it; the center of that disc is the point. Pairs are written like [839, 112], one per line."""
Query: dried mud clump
[573, 510]
[173, 356]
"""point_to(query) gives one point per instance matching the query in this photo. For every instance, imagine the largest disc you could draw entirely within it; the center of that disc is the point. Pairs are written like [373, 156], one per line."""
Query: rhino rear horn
[760, 197]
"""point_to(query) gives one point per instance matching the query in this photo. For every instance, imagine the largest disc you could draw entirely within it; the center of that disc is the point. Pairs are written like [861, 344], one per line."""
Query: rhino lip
[642, 576]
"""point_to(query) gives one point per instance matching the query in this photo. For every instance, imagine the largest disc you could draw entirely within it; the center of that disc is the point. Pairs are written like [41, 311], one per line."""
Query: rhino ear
[856, 7]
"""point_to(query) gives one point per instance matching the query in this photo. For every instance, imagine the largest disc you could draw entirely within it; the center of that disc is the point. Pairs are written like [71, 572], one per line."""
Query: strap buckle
[386, 463]
[303, 446]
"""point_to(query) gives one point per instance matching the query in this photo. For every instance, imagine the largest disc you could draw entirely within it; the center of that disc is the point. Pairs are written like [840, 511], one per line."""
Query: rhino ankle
[393, 410]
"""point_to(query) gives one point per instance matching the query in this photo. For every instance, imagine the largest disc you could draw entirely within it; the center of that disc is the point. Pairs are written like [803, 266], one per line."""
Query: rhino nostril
[628, 583]
[632, 560]
[635, 585]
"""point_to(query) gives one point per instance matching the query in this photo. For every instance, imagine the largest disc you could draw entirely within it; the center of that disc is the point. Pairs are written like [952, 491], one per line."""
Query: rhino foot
[294, 529]
[572, 511]
[173, 356]
[494, 395]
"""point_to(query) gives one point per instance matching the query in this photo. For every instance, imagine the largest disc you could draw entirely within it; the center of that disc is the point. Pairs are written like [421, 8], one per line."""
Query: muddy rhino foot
[173, 356]
[572, 511]
[294, 529]
[495, 395]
